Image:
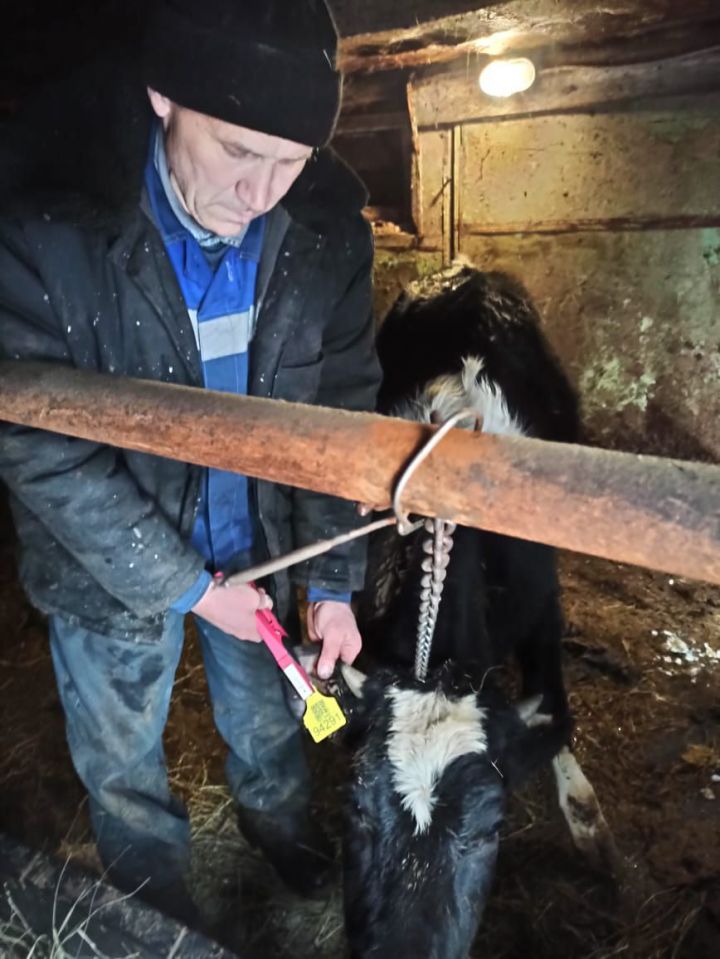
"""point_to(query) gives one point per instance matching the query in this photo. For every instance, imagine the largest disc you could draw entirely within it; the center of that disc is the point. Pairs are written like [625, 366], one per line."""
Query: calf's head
[431, 768]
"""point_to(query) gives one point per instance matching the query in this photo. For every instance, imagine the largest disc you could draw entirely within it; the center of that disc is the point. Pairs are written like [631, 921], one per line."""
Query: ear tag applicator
[323, 715]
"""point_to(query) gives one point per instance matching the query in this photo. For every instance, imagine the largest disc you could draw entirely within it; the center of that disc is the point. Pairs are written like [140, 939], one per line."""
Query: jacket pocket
[298, 384]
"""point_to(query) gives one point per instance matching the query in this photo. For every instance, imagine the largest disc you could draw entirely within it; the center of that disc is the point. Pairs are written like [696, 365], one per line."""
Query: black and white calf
[434, 760]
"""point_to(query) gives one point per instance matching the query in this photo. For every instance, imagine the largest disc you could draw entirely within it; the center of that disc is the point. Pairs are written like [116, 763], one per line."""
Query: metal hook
[404, 524]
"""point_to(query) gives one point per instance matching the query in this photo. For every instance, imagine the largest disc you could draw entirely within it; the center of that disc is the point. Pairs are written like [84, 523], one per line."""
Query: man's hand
[232, 609]
[333, 624]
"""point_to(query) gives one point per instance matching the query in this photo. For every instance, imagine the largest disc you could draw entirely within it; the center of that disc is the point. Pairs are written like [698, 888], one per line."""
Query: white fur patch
[577, 800]
[449, 394]
[589, 829]
[427, 732]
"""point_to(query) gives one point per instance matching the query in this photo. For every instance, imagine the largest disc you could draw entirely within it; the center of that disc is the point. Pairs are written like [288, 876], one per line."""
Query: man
[205, 237]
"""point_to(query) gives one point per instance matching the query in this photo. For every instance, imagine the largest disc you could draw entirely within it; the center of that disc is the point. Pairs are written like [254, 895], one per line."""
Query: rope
[308, 552]
[403, 521]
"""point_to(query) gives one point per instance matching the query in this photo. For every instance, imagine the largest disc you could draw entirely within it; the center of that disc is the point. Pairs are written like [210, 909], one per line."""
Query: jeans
[116, 695]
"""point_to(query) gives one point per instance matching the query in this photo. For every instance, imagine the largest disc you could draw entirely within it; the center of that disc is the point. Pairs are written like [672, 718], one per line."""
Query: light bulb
[503, 78]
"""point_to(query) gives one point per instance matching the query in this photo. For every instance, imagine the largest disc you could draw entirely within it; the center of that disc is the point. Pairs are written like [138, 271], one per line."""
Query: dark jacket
[84, 280]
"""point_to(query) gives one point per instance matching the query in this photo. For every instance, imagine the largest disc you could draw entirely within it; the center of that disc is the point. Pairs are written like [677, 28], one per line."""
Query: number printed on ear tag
[323, 716]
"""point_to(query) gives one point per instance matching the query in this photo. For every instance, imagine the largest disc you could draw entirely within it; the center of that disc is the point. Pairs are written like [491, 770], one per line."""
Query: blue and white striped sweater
[217, 277]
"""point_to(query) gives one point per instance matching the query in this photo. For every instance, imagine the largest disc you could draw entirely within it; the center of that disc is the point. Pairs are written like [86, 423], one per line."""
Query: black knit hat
[269, 65]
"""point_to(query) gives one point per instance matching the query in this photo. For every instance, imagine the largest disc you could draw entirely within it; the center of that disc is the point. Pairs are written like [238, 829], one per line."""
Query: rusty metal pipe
[660, 513]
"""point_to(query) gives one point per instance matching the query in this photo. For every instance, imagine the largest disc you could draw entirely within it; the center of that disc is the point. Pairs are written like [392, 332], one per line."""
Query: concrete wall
[612, 222]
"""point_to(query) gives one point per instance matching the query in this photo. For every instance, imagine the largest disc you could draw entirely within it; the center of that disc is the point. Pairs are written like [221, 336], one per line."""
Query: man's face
[225, 175]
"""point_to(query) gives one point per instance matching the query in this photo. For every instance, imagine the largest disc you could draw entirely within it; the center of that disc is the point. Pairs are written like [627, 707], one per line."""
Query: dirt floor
[643, 667]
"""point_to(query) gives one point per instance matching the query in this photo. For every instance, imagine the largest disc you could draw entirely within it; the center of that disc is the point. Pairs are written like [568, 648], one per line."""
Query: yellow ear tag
[323, 716]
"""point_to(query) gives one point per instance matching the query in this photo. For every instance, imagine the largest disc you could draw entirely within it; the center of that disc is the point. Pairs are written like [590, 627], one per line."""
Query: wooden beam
[404, 19]
[394, 239]
[424, 56]
[385, 218]
[352, 124]
[664, 514]
[43, 894]
[616, 224]
[416, 177]
[455, 98]
[352, 17]
[499, 28]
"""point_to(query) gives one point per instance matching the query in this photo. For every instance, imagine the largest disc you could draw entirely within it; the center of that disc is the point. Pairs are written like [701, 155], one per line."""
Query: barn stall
[598, 189]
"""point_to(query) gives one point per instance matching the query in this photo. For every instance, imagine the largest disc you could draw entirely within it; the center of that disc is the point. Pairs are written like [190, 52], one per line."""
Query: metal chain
[437, 547]
[434, 567]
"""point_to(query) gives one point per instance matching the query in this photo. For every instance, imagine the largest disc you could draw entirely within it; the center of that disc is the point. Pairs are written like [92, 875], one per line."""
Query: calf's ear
[354, 679]
[358, 698]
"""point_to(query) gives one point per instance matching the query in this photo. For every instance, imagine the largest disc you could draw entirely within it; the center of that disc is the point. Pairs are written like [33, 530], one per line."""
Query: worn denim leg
[266, 766]
[116, 695]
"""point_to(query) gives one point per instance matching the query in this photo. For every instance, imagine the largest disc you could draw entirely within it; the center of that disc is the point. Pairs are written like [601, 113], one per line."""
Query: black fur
[410, 894]
[423, 895]
[478, 314]
[501, 593]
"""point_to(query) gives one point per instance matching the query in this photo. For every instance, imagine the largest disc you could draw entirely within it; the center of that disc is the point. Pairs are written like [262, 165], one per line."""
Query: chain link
[437, 548]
